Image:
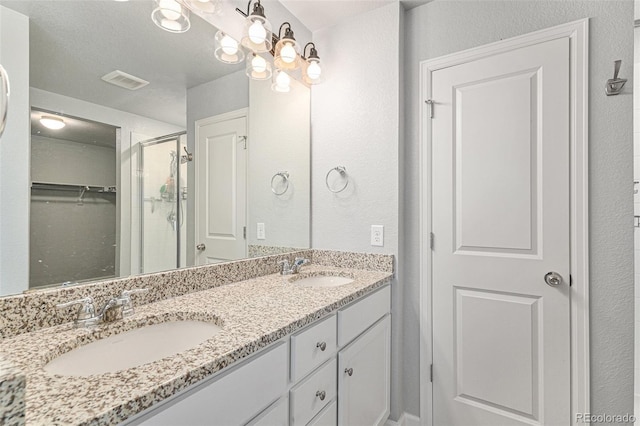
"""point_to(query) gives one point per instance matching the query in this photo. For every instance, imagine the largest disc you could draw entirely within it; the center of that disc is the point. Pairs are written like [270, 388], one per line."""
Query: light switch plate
[377, 235]
[260, 233]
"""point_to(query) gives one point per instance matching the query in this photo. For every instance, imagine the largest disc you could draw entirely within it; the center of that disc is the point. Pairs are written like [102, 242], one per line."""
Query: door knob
[553, 279]
[201, 247]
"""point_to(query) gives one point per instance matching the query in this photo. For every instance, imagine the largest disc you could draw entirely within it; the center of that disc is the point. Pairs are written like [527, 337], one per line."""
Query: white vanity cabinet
[335, 372]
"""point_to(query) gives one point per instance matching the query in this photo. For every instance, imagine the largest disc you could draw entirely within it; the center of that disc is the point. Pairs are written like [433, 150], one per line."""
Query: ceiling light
[258, 68]
[287, 50]
[257, 29]
[53, 123]
[312, 72]
[281, 82]
[227, 49]
[172, 16]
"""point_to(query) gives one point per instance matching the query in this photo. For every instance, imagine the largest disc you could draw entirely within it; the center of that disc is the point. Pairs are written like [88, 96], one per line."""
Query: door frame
[238, 113]
[578, 34]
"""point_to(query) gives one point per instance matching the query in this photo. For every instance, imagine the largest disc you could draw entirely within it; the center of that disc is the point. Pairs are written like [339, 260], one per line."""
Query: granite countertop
[253, 314]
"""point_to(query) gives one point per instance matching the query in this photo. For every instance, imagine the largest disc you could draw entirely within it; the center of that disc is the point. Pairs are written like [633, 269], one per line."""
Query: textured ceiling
[74, 43]
[319, 14]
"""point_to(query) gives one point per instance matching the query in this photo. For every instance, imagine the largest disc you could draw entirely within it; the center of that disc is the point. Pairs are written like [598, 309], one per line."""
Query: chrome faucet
[287, 269]
[87, 316]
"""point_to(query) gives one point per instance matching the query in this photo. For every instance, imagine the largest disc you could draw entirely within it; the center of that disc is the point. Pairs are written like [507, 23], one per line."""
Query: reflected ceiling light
[257, 29]
[53, 123]
[287, 49]
[204, 6]
[171, 15]
[257, 67]
[281, 81]
[312, 72]
[227, 49]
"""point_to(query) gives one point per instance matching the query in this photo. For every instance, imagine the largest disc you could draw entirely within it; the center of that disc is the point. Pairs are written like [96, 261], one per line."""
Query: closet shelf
[72, 187]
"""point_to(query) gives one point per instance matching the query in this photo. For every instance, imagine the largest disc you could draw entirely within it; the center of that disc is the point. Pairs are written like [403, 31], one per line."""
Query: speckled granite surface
[253, 313]
[12, 394]
[258, 250]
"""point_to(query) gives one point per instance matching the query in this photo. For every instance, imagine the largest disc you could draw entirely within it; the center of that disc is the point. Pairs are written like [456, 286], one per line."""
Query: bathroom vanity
[289, 350]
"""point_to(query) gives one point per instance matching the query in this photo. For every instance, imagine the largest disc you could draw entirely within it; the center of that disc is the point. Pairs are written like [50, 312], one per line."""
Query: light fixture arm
[257, 9]
[288, 33]
[312, 54]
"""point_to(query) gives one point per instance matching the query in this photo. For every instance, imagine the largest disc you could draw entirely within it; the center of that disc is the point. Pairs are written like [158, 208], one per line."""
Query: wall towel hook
[342, 170]
[285, 182]
[614, 85]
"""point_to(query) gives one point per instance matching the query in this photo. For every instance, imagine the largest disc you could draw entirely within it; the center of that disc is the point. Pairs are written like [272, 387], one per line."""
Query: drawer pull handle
[322, 346]
[321, 394]
[349, 371]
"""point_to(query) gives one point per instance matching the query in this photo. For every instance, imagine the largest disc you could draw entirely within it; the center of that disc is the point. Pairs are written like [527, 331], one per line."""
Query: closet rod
[70, 187]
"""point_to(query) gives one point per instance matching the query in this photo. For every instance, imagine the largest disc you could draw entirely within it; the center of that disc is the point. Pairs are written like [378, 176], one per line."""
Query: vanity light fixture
[171, 15]
[257, 29]
[281, 81]
[258, 68]
[287, 49]
[53, 123]
[227, 49]
[311, 72]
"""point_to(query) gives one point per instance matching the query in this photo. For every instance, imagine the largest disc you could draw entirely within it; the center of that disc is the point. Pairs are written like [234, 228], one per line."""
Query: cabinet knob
[349, 371]
[322, 346]
[321, 394]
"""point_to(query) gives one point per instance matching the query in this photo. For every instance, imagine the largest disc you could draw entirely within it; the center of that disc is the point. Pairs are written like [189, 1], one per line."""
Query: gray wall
[355, 123]
[443, 27]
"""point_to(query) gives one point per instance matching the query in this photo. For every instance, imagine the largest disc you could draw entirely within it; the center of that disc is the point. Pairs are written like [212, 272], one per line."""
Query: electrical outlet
[260, 233]
[377, 235]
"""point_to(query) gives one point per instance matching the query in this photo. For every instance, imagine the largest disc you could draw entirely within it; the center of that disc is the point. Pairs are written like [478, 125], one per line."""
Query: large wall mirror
[146, 153]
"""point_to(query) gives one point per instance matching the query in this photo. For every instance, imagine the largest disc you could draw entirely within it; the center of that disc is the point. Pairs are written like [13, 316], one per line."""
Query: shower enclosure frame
[145, 144]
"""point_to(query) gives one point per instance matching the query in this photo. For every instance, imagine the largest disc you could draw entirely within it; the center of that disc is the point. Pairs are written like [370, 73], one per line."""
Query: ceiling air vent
[124, 80]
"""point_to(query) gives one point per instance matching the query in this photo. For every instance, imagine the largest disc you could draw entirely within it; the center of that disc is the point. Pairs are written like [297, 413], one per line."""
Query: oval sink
[322, 281]
[132, 348]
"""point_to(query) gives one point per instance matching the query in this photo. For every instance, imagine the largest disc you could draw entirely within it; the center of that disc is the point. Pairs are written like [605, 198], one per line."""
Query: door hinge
[431, 373]
[430, 104]
[570, 280]
[431, 238]
[244, 141]
[244, 232]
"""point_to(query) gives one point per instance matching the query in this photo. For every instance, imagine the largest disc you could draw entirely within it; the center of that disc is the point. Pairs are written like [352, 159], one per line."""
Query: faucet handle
[284, 268]
[127, 304]
[87, 310]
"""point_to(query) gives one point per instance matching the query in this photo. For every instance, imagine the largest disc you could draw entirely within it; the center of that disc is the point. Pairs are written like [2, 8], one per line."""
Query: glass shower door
[163, 193]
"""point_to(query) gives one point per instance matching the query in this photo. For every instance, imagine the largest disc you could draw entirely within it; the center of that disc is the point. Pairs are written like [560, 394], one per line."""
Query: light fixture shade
[227, 49]
[205, 6]
[257, 34]
[281, 82]
[258, 68]
[312, 71]
[287, 54]
[53, 123]
[171, 15]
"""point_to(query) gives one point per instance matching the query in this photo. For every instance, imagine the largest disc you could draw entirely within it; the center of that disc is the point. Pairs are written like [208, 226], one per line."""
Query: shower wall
[160, 212]
[71, 239]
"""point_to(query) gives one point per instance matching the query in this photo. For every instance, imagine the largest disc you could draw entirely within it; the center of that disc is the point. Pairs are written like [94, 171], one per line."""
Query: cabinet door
[364, 377]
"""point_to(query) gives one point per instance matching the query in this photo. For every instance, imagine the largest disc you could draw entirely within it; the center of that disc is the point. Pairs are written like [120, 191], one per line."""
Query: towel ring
[343, 172]
[285, 180]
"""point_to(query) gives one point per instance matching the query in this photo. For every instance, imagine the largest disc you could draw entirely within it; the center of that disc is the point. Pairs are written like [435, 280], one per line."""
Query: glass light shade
[287, 54]
[281, 82]
[257, 34]
[312, 72]
[227, 49]
[205, 6]
[258, 68]
[171, 15]
[53, 123]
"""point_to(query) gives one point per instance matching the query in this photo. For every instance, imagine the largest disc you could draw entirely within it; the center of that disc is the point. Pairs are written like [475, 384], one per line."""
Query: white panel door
[222, 191]
[500, 185]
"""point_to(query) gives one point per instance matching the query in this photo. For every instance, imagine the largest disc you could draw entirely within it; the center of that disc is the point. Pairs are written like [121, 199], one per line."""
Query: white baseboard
[405, 419]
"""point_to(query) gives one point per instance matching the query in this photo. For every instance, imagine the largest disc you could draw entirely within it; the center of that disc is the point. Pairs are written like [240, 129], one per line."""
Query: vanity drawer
[355, 319]
[305, 398]
[327, 417]
[276, 415]
[306, 347]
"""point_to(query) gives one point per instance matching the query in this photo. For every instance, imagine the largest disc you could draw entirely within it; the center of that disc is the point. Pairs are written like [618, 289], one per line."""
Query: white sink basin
[132, 348]
[322, 281]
